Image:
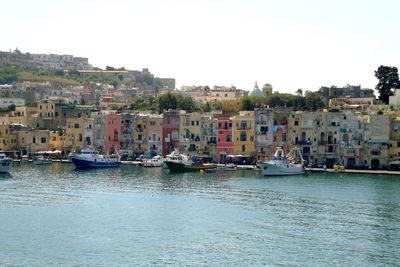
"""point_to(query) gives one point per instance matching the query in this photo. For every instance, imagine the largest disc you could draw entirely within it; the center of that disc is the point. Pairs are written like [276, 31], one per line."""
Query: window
[228, 138]
[243, 148]
[43, 140]
[76, 126]
[116, 135]
[243, 136]
[296, 123]
[34, 140]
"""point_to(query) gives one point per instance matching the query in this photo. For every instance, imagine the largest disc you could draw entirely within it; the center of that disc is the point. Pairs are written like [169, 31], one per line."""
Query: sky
[290, 44]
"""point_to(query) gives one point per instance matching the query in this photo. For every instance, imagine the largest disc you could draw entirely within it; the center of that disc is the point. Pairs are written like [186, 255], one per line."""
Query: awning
[396, 162]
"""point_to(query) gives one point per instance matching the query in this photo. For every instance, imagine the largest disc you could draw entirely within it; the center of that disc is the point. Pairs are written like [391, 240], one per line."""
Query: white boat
[90, 158]
[5, 163]
[280, 165]
[156, 161]
[41, 160]
[230, 167]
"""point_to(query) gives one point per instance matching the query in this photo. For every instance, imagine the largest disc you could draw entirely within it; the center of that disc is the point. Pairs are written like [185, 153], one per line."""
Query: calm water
[55, 215]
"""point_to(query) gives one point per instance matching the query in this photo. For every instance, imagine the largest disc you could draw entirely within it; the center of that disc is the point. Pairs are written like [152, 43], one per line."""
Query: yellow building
[79, 132]
[24, 116]
[33, 140]
[58, 140]
[140, 134]
[8, 140]
[243, 134]
[190, 132]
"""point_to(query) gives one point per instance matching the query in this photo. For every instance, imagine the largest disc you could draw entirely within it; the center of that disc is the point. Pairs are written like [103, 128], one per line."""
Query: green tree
[59, 73]
[167, 101]
[388, 78]
[8, 74]
[251, 102]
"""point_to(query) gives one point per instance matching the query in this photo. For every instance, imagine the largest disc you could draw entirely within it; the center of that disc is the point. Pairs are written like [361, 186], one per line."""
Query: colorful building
[155, 131]
[140, 134]
[171, 125]
[224, 139]
[243, 136]
[112, 130]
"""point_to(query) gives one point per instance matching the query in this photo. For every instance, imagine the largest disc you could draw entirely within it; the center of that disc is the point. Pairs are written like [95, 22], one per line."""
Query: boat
[181, 163]
[155, 161]
[280, 165]
[5, 163]
[89, 157]
[230, 167]
[41, 160]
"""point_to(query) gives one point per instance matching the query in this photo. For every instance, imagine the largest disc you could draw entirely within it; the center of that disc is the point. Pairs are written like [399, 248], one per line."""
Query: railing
[302, 142]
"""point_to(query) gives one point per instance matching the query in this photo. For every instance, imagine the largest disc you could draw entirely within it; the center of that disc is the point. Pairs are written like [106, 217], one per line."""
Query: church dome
[256, 91]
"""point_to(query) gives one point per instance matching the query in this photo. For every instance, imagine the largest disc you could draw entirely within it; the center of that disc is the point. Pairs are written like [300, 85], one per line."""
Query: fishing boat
[5, 163]
[181, 163]
[155, 161]
[91, 158]
[41, 160]
[280, 165]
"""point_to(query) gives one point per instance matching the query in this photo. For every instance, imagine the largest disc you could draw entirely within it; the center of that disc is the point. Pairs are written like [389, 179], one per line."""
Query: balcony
[138, 141]
[303, 143]
[139, 130]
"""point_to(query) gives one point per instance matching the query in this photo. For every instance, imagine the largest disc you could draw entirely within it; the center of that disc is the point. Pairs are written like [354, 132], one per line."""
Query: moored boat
[41, 160]
[155, 161]
[280, 165]
[90, 158]
[5, 163]
[182, 163]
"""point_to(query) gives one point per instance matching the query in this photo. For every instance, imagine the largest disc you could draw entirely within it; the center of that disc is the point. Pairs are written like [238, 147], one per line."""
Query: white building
[6, 102]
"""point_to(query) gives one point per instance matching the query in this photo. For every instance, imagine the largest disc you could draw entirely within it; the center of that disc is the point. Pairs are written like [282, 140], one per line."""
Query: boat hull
[180, 167]
[5, 165]
[278, 170]
[42, 162]
[90, 164]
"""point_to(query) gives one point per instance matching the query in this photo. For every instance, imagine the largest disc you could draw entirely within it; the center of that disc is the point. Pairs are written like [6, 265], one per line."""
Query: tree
[59, 73]
[299, 92]
[251, 102]
[388, 79]
[167, 101]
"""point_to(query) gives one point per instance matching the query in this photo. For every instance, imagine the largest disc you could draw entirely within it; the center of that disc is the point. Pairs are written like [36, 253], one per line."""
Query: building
[376, 139]
[170, 134]
[256, 91]
[79, 132]
[140, 134]
[243, 136]
[190, 132]
[224, 139]
[264, 122]
[155, 135]
[112, 131]
[394, 100]
[6, 102]
[267, 89]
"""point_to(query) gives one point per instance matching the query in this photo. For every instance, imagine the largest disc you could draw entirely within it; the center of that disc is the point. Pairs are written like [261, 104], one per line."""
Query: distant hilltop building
[267, 89]
[348, 91]
[45, 61]
[217, 93]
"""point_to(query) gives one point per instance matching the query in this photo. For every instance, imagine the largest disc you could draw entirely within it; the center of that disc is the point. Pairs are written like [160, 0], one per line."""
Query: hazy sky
[287, 43]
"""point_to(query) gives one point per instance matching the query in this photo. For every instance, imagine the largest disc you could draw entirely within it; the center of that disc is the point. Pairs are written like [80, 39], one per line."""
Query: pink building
[225, 141]
[112, 129]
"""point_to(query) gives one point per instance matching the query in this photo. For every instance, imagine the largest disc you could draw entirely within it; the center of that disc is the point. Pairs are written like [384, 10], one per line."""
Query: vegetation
[388, 79]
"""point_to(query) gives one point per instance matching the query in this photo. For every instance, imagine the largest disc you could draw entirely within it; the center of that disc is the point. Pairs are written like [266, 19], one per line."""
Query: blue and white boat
[86, 158]
[5, 163]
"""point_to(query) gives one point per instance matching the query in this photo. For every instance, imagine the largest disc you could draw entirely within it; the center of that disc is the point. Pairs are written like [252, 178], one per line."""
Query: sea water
[54, 215]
